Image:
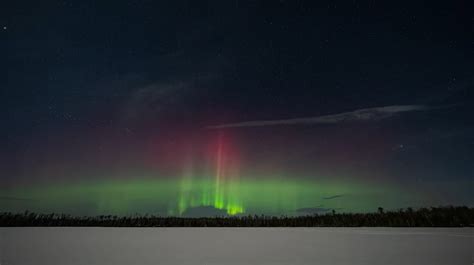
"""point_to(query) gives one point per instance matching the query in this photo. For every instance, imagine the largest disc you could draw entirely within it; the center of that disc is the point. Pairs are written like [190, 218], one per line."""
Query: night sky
[197, 108]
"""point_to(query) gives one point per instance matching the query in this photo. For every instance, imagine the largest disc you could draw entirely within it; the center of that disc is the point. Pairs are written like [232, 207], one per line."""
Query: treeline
[423, 217]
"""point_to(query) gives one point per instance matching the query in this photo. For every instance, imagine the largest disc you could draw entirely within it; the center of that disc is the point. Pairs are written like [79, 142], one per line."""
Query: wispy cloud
[333, 197]
[165, 98]
[152, 99]
[367, 114]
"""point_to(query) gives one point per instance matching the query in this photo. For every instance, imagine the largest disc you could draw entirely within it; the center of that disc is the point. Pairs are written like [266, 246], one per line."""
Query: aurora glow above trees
[171, 197]
[215, 172]
[216, 180]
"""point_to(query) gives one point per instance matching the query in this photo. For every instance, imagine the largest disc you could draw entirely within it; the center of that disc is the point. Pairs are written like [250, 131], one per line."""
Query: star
[4, 27]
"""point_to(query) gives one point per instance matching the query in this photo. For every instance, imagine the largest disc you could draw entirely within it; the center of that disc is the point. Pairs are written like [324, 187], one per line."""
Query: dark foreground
[424, 217]
[209, 246]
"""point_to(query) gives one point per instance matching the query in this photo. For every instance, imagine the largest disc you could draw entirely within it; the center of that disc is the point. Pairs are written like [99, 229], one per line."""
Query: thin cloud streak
[367, 114]
[333, 197]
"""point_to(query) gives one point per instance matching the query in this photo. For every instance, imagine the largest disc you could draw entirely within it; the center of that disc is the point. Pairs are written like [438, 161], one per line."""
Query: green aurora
[174, 197]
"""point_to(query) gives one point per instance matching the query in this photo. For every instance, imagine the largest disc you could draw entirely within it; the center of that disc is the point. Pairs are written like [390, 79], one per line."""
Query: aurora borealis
[213, 181]
[247, 196]
[201, 108]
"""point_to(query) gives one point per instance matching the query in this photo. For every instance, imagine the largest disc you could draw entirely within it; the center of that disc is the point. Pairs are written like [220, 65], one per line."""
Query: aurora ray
[219, 194]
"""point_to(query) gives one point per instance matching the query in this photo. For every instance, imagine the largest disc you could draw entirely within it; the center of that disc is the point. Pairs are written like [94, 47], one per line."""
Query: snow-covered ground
[292, 246]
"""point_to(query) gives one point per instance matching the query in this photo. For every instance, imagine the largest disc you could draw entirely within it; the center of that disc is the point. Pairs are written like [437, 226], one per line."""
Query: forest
[448, 216]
